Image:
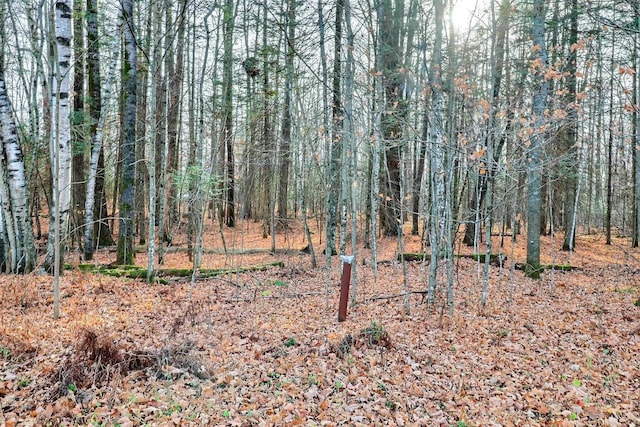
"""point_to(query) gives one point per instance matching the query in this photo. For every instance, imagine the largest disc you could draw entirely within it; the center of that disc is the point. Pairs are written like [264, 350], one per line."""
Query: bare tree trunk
[154, 71]
[285, 145]
[101, 232]
[227, 125]
[378, 141]
[438, 232]
[483, 180]
[164, 178]
[350, 182]
[268, 146]
[392, 120]
[143, 184]
[79, 125]
[324, 134]
[97, 153]
[610, 154]
[535, 149]
[570, 133]
[636, 134]
[129, 85]
[335, 155]
[174, 74]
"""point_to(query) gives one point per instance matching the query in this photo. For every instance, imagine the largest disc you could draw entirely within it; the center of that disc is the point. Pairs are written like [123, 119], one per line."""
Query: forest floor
[265, 347]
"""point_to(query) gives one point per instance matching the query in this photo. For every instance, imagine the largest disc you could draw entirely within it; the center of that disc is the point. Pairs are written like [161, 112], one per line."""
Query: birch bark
[17, 232]
[60, 146]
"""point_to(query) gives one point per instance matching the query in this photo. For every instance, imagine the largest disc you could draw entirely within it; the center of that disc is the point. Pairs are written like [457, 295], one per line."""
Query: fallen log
[495, 259]
[141, 249]
[557, 267]
[136, 272]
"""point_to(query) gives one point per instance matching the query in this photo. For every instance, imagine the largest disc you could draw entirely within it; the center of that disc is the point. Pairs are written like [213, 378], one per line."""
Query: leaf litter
[265, 348]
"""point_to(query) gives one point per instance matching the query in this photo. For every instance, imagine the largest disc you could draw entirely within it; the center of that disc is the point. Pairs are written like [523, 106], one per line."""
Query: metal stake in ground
[345, 280]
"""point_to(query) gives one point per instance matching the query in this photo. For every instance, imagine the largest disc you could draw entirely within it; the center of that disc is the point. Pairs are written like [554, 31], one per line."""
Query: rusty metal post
[345, 281]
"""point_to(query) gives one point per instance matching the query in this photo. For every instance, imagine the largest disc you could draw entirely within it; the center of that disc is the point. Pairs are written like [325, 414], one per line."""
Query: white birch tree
[60, 145]
[96, 149]
[16, 233]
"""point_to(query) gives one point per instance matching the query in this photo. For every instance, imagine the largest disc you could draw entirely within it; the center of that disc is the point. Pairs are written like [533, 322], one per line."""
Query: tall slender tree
[396, 93]
[285, 146]
[78, 123]
[570, 130]
[143, 193]
[227, 123]
[535, 149]
[17, 247]
[60, 145]
[154, 70]
[129, 87]
[636, 128]
[438, 228]
[174, 69]
[484, 175]
[97, 231]
[335, 155]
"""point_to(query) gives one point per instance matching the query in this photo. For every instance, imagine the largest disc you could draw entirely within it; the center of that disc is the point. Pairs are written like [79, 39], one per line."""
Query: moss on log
[136, 272]
[418, 256]
[557, 267]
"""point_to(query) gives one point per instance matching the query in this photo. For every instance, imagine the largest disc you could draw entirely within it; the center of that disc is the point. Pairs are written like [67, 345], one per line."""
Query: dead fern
[95, 360]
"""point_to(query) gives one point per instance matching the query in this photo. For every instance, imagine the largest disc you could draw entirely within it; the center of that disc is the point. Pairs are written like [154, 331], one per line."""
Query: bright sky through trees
[466, 12]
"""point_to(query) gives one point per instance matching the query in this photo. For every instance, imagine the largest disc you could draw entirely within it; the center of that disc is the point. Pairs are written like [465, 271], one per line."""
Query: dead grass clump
[94, 361]
[99, 351]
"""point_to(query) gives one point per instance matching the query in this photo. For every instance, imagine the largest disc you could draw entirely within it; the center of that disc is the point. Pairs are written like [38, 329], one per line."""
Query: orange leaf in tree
[552, 74]
[484, 104]
[579, 45]
[626, 71]
[559, 114]
[478, 154]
